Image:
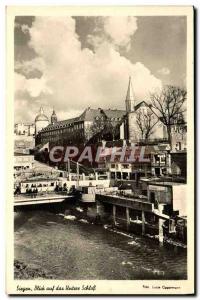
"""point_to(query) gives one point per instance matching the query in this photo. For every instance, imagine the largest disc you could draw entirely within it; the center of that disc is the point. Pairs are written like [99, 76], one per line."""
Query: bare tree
[168, 105]
[98, 127]
[111, 128]
[146, 121]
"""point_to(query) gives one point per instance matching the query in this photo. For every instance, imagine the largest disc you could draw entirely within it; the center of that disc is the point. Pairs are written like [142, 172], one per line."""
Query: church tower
[130, 98]
[41, 121]
[132, 133]
[53, 117]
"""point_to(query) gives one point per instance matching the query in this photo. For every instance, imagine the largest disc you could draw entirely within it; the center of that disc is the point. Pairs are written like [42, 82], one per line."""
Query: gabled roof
[59, 123]
[142, 103]
[89, 114]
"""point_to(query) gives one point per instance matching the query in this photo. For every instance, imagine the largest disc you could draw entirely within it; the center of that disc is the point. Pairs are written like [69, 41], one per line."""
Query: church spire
[41, 110]
[53, 117]
[130, 97]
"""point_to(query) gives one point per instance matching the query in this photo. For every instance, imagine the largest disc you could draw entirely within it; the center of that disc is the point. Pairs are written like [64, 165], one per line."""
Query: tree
[111, 128]
[146, 121]
[168, 105]
[98, 127]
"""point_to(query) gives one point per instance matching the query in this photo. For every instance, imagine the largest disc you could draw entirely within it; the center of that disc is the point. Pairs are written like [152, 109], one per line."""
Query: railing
[159, 164]
[155, 140]
[135, 203]
[41, 194]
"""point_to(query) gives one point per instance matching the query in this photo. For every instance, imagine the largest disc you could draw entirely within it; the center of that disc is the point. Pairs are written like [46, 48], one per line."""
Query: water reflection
[69, 249]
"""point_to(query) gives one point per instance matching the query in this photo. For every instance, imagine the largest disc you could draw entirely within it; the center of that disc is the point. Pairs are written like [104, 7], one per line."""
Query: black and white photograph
[101, 150]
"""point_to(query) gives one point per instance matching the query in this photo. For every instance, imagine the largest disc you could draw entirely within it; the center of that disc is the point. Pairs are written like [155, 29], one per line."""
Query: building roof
[142, 103]
[114, 113]
[41, 179]
[41, 116]
[60, 123]
[22, 154]
[166, 183]
[24, 124]
[89, 114]
[138, 153]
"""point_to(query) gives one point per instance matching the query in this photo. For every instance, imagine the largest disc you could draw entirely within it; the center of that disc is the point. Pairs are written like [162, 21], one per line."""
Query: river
[71, 249]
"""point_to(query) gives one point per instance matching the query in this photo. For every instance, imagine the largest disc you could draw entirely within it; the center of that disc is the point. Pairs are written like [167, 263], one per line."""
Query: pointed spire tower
[41, 110]
[53, 117]
[130, 97]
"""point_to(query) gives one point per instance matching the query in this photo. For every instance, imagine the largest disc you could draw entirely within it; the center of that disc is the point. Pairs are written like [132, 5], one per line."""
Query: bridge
[43, 198]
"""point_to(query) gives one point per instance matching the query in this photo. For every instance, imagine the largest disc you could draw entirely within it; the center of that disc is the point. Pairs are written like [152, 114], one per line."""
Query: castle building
[77, 130]
[41, 121]
[128, 125]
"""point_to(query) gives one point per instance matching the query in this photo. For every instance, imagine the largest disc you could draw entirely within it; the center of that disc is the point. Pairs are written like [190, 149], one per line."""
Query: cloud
[34, 86]
[73, 77]
[116, 30]
[120, 29]
[30, 68]
[25, 28]
[164, 71]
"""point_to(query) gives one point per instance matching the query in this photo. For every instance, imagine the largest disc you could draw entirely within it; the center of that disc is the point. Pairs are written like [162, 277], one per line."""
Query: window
[112, 174]
[125, 166]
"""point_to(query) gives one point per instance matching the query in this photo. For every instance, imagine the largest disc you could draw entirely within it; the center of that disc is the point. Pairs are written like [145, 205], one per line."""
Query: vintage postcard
[100, 150]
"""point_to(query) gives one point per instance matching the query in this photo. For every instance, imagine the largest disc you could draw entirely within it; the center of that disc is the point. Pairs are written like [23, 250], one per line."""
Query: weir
[134, 205]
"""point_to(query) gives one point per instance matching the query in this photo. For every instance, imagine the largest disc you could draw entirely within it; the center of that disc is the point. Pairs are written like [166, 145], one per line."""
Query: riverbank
[22, 271]
[62, 246]
[89, 215]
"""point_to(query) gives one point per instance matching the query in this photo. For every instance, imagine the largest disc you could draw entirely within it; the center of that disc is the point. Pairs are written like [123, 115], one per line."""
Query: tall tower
[53, 117]
[130, 98]
[131, 113]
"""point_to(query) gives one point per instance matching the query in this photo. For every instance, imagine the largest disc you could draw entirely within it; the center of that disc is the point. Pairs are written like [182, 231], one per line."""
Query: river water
[71, 249]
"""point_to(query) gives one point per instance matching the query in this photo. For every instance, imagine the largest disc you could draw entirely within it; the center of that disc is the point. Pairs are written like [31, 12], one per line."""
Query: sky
[71, 63]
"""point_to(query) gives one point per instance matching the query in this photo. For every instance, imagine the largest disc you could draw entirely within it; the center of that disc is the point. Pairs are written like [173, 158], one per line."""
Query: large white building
[23, 161]
[24, 129]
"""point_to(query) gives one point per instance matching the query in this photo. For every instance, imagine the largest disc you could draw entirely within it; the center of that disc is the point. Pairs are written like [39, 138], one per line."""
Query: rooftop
[89, 114]
[22, 154]
[41, 116]
[166, 183]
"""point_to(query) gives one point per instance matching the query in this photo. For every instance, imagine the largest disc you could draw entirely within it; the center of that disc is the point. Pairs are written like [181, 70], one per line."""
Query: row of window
[67, 126]
[124, 166]
[38, 184]
[58, 137]
[60, 131]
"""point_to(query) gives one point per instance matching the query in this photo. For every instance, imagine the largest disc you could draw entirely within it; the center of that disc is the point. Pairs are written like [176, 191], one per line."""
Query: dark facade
[81, 129]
